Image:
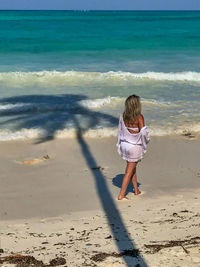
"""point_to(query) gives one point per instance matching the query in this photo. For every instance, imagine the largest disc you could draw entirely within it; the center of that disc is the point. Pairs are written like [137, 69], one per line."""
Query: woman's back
[135, 126]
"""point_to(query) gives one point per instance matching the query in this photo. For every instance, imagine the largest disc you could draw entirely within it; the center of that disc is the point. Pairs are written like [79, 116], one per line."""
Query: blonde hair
[132, 109]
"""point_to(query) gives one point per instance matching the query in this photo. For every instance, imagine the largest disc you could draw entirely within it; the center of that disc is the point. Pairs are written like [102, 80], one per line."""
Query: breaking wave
[45, 118]
[56, 78]
[6, 135]
[64, 106]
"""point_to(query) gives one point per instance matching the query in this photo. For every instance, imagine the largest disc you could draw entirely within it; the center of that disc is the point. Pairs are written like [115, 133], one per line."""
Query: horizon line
[89, 10]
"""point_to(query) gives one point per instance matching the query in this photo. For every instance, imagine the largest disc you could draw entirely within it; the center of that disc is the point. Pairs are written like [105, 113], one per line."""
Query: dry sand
[64, 204]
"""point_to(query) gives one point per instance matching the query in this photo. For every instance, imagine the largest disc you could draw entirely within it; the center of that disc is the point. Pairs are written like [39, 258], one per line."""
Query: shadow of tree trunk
[118, 228]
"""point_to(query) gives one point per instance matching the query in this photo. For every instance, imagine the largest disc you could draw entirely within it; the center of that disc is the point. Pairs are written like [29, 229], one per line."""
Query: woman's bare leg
[134, 182]
[127, 177]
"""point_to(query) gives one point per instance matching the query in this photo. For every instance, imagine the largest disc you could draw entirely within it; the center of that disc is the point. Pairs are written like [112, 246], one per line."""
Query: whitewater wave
[56, 78]
[115, 101]
[100, 102]
[7, 135]
[93, 104]
[20, 106]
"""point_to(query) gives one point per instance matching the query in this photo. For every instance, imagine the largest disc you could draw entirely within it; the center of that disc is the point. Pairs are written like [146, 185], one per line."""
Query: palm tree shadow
[52, 113]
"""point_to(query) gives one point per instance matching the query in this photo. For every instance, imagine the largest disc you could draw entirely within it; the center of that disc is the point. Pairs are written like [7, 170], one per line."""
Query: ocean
[66, 70]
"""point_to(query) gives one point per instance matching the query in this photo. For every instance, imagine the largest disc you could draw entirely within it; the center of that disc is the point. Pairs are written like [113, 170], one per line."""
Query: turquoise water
[60, 68]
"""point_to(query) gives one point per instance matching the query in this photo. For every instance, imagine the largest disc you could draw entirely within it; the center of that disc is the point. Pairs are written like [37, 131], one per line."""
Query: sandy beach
[58, 200]
[65, 74]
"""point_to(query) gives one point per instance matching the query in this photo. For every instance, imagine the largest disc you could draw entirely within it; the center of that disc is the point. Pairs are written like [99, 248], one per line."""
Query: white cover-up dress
[132, 146]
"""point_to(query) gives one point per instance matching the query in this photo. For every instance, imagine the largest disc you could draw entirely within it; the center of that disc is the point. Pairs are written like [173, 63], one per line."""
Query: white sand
[66, 206]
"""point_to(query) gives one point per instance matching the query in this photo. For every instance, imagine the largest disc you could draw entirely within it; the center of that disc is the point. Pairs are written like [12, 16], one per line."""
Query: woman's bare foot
[137, 192]
[121, 197]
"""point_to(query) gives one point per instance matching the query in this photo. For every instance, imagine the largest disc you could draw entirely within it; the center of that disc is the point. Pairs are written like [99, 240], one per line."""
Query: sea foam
[100, 102]
[23, 134]
[56, 78]
[92, 104]
[17, 106]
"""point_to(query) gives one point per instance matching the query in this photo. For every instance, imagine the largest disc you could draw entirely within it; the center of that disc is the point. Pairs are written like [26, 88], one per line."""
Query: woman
[133, 137]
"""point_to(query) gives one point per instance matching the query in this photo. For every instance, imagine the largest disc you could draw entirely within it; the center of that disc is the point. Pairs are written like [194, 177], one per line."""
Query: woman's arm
[144, 133]
[141, 121]
[119, 131]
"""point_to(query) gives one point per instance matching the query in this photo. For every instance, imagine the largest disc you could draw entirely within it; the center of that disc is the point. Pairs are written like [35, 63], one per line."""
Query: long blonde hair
[132, 109]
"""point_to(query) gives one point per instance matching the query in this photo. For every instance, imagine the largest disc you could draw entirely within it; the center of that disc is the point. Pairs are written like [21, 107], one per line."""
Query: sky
[101, 4]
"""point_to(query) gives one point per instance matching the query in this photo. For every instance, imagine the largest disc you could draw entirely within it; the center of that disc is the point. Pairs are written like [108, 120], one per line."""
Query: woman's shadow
[117, 181]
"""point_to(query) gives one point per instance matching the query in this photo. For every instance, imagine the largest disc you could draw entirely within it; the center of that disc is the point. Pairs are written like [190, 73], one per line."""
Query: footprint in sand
[34, 161]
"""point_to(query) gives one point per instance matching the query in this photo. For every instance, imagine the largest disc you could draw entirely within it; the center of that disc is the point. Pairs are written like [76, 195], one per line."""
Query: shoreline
[33, 135]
